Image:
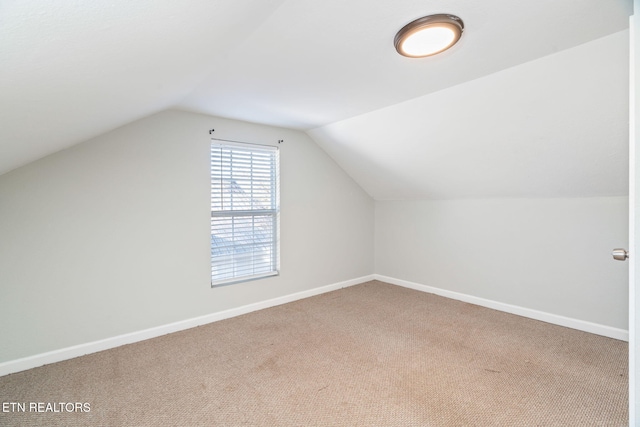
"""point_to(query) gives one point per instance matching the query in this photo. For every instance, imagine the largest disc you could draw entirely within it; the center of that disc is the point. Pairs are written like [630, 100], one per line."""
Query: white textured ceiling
[71, 70]
[553, 127]
[316, 62]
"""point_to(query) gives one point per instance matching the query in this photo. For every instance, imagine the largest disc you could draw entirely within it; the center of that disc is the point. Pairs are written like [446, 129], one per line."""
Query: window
[244, 212]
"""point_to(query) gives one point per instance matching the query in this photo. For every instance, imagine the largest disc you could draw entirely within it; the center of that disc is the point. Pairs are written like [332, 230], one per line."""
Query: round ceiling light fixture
[428, 35]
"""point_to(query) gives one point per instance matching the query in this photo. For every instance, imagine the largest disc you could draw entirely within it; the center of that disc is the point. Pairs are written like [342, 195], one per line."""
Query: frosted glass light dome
[428, 35]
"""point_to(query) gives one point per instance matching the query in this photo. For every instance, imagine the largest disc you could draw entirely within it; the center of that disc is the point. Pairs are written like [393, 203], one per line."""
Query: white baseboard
[37, 360]
[30, 362]
[594, 328]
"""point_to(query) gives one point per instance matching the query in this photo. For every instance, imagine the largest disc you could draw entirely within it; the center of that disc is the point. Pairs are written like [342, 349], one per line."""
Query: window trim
[274, 257]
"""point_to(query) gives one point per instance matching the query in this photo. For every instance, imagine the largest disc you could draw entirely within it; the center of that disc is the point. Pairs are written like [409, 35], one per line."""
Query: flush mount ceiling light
[428, 35]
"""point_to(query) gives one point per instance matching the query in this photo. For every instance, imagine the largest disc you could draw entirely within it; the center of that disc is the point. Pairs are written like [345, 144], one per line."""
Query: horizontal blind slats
[243, 212]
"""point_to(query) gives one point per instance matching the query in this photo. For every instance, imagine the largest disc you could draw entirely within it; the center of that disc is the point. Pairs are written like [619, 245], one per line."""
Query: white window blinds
[244, 212]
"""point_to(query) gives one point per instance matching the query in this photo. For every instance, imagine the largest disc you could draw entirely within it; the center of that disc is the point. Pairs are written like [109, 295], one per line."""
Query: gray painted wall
[551, 255]
[112, 236]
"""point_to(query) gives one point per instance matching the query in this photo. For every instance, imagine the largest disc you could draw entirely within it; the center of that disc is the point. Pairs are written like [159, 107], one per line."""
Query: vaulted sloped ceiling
[553, 127]
[71, 70]
[532, 102]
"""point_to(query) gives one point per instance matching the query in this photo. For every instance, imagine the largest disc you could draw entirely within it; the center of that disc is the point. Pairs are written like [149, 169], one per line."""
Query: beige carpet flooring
[369, 355]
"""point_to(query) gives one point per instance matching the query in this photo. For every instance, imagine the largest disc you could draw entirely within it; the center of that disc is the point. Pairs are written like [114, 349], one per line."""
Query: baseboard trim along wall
[37, 360]
[581, 325]
[54, 356]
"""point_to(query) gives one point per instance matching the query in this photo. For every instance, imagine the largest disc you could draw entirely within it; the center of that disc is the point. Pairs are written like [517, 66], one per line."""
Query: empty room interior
[282, 213]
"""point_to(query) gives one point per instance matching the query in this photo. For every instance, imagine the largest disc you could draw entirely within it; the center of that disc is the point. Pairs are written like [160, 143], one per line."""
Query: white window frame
[244, 252]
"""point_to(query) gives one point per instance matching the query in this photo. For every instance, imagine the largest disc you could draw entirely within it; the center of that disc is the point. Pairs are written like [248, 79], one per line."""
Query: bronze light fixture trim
[428, 35]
